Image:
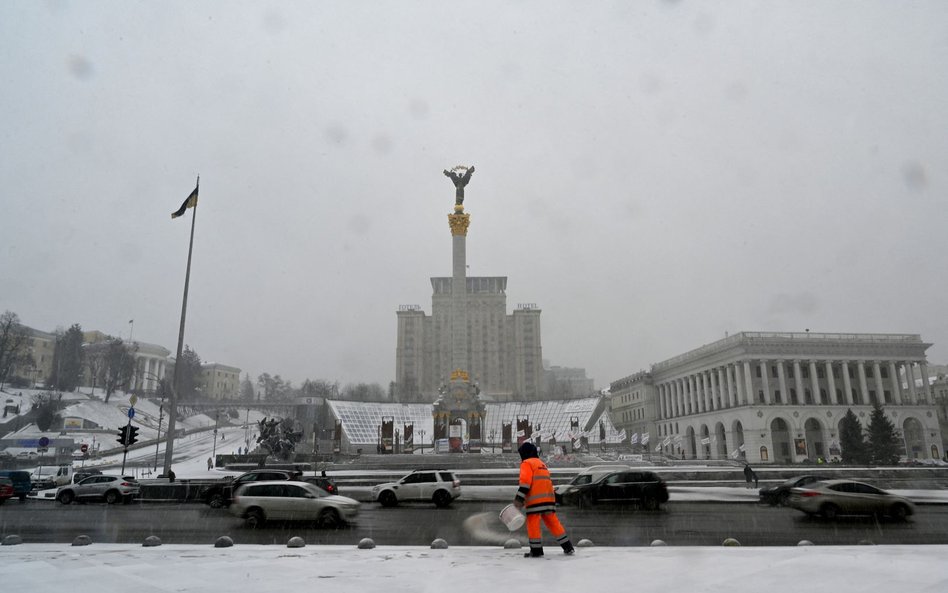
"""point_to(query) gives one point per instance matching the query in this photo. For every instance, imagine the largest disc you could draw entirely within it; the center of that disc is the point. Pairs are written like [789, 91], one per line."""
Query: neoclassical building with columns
[778, 397]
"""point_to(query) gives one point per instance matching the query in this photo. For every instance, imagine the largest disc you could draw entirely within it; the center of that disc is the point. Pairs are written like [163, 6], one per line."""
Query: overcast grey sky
[650, 174]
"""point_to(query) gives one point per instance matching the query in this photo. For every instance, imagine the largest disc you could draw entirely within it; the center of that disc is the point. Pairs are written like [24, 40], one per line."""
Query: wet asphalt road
[468, 523]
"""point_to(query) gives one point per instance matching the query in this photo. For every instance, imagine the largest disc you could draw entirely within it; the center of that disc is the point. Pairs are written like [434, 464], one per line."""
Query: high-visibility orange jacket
[536, 487]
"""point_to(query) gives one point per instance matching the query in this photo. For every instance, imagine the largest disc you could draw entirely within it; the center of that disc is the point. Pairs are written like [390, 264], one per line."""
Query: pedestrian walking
[210, 464]
[170, 475]
[535, 496]
[750, 475]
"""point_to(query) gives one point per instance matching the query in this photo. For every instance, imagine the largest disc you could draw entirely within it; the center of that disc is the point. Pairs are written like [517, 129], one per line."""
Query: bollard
[151, 541]
[657, 542]
[512, 544]
[731, 542]
[366, 543]
[439, 544]
[296, 542]
[584, 543]
[223, 542]
[82, 540]
[12, 540]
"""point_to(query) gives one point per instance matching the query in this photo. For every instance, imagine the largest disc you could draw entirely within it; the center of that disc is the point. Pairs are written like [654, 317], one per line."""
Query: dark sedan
[780, 494]
[644, 489]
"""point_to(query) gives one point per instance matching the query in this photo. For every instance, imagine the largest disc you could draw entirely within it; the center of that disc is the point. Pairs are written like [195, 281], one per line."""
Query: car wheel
[112, 496]
[254, 518]
[329, 519]
[899, 511]
[387, 499]
[66, 497]
[441, 499]
[216, 501]
[829, 511]
[784, 499]
[650, 503]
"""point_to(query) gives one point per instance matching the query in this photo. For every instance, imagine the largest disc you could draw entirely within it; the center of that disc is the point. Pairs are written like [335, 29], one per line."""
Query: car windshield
[409, 244]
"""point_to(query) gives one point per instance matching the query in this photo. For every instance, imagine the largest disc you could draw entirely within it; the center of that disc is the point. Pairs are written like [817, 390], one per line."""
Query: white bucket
[512, 517]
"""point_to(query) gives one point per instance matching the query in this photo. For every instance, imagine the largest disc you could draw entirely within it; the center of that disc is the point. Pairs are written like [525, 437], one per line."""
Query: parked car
[6, 489]
[780, 494]
[111, 489]
[257, 502]
[51, 476]
[642, 488]
[324, 482]
[82, 474]
[428, 485]
[220, 494]
[848, 497]
[21, 482]
[587, 476]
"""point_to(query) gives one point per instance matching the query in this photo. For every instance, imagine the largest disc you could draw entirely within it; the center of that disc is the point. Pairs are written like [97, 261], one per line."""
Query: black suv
[221, 494]
[645, 489]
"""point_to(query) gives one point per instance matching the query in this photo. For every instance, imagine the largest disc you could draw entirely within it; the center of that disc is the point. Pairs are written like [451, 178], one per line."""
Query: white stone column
[894, 380]
[706, 387]
[739, 384]
[926, 386]
[798, 382]
[730, 387]
[830, 382]
[910, 379]
[847, 382]
[782, 379]
[695, 408]
[679, 402]
[877, 379]
[863, 386]
[765, 381]
[714, 375]
[815, 384]
[685, 404]
[749, 384]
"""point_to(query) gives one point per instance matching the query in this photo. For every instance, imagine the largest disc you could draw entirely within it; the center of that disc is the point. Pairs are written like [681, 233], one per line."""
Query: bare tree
[117, 364]
[14, 345]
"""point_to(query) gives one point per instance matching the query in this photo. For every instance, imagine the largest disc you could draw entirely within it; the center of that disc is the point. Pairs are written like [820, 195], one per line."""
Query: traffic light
[132, 434]
[123, 436]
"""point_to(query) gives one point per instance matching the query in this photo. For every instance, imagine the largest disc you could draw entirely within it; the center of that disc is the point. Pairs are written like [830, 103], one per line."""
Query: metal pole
[161, 409]
[169, 446]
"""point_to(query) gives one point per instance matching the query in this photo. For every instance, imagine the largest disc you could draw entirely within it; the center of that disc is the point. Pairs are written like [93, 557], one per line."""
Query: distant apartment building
[564, 383]
[779, 397]
[220, 381]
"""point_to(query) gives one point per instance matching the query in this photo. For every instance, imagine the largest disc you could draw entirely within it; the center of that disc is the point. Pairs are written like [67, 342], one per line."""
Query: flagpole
[172, 407]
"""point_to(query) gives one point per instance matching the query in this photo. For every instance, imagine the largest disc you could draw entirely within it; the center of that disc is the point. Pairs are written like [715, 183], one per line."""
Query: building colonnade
[792, 382]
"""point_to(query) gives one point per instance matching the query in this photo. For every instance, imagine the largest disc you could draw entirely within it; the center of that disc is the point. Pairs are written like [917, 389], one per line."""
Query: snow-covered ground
[114, 568]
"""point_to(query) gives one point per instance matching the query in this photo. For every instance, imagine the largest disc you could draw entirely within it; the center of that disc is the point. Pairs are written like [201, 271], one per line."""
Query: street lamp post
[492, 434]
[217, 417]
[422, 444]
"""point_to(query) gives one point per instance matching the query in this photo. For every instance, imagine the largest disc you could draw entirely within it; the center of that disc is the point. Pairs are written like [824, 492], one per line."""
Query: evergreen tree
[68, 360]
[246, 388]
[851, 440]
[885, 442]
[190, 375]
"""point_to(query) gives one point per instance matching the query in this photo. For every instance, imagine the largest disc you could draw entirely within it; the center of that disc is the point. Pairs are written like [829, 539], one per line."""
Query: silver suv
[427, 485]
[257, 502]
[111, 489]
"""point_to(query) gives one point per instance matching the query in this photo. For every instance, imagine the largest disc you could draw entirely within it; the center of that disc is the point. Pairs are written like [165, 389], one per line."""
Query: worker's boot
[568, 548]
[534, 553]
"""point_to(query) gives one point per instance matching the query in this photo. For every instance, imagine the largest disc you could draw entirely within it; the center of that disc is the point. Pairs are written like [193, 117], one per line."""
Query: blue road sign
[44, 442]
[131, 413]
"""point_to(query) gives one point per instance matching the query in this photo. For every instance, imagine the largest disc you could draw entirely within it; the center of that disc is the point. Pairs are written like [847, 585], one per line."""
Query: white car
[425, 485]
[257, 502]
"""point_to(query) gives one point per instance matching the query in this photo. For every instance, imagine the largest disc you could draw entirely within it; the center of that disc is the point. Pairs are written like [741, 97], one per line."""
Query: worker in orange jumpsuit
[535, 496]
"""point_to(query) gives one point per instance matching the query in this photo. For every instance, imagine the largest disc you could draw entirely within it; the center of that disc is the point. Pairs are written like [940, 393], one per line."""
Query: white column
[730, 387]
[675, 403]
[877, 377]
[714, 377]
[815, 383]
[863, 387]
[830, 382]
[847, 383]
[765, 381]
[798, 381]
[910, 379]
[782, 379]
[894, 380]
[749, 384]
[693, 384]
[706, 390]
[926, 386]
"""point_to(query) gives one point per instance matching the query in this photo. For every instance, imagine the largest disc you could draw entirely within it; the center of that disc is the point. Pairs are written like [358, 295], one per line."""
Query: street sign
[131, 413]
[133, 399]
[43, 442]
[84, 448]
